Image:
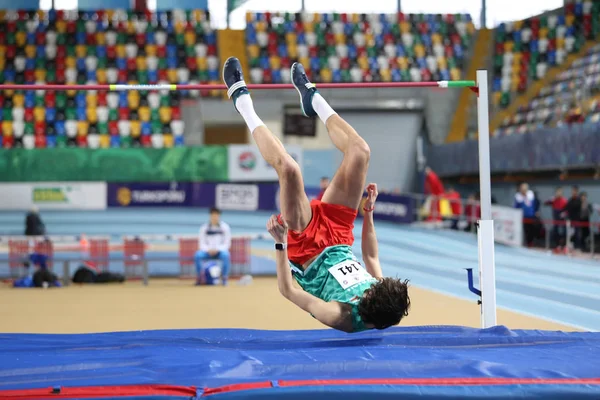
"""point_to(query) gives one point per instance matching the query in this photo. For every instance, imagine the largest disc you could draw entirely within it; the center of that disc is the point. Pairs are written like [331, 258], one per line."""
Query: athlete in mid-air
[316, 237]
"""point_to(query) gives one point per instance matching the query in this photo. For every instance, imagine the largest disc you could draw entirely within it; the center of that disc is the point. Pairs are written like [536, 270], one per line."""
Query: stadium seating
[357, 47]
[104, 47]
[573, 96]
[524, 50]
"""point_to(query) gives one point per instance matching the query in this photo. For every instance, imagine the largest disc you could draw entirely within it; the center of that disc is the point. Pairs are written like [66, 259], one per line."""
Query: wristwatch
[280, 246]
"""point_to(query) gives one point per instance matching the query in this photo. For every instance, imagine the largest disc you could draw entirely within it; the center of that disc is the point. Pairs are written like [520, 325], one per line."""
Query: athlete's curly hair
[385, 303]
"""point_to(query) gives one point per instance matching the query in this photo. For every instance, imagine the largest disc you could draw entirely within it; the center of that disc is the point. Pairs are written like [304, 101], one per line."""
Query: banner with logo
[508, 225]
[394, 208]
[246, 163]
[53, 196]
[178, 164]
[150, 194]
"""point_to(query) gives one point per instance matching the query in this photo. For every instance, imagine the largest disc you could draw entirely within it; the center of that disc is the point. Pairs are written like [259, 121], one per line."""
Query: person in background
[323, 184]
[456, 205]
[585, 214]
[33, 223]
[573, 209]
[525, 200]
[434, 188]
[558, 204]
[214, 243]
[472, 211]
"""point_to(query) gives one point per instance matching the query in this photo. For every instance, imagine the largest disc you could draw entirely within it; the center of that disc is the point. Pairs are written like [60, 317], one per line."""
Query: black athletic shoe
[234, 79]
[306, 89]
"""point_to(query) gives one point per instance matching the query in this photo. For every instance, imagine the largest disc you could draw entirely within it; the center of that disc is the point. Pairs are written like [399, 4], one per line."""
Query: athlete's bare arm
[332, 314]
[370, 250]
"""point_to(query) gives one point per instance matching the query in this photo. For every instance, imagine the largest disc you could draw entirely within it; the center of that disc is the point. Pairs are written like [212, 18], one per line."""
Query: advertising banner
[236, 197]
[245, 163]
[178, 164]
[508, 225]
[150, 194]
[393, 208]
[53, 196]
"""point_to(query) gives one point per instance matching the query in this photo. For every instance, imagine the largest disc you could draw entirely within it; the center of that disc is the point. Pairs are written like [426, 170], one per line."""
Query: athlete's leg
[347, 186]
[295, 207]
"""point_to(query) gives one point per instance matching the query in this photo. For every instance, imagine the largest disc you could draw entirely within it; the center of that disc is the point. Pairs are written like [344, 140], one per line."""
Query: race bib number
[349, 273]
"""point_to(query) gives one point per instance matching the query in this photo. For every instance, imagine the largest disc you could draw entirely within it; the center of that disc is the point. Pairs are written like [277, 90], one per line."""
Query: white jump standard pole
[485, 232]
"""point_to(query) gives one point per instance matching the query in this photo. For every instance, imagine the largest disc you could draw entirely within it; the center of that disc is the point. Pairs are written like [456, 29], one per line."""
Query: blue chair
[276, 76]
[179, 142]
[115, 141]
[30, 38]
[50, 141]
[150, 38]
[81, 114]
[80, 100]
[80, 37]
[146, 128]
[400, 51]
[91, 76]
[210, 38]
[315, 64]
[121, 63]
[337, 76]
[101, 51]
[213, 75]
[59, 126]
[171, 62]
[282, 50]
[50, 115]
[80, 64]
[172, 51]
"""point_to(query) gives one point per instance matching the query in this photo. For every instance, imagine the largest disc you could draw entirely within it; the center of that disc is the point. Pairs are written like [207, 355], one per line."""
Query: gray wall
[392, 137]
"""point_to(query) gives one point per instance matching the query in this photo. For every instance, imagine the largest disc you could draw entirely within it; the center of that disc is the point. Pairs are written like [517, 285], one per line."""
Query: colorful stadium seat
[357, 48]
[106, 47]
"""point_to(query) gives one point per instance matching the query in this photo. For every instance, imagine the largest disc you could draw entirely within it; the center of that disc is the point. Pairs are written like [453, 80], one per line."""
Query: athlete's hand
[278, 230]
[372, 194]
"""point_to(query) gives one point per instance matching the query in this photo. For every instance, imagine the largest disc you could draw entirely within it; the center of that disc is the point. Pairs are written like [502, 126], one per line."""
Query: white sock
[246, 109]
[322, 108]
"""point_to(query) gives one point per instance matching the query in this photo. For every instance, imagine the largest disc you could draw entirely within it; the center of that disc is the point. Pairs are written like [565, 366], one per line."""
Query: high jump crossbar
[256, 86]
[485, 231]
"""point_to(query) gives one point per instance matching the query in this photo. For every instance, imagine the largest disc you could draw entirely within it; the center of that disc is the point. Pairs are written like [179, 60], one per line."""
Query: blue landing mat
[431, 362]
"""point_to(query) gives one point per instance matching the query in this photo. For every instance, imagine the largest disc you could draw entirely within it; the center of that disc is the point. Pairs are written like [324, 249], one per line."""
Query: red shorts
[331, 225]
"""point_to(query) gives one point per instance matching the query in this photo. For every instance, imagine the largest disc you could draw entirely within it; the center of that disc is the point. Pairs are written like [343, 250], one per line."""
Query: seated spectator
[585, 213]
[214, 243]
[558, 204]
[573, 209]
[525, 200]
[472, 211]
[455, 205]
[33, 223]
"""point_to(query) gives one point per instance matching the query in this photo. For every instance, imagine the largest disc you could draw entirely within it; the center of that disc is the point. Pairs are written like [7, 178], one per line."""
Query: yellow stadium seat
[326, 75]
[293, 50]
[363, 62]
[304, 61]
[104, 141]
[517, 58]
[404, 27]
[100, 38]
[101, 76]
[2, 63]
[150, 50]
[436, 38]
[508, 46]
[110, 14]
[202, 63]
[386, 75]
[249, 17]
[130, 27]
[470, 27]
[165, 114]
[455, 74]
[40, 74]
[514, 83]
[560, 43]
[168, 141]
[419, 50]
[20, 38]
[340, 38]
[290, 38]
[140, 63]
[275, 62]
[39, 113]
[30, 51]
[309, 27]
[570, 19]
[7, 128]
[144, 113]
[515, 69]
[253, 50]
[61, 26]
[402, 62]
[80, 50]
[18, 100]
[543, 33]
[198, 15]
[2, 50]
[172, 75]
[179, 27]
[518, 25]
[355, 18]
[261, 26]
[82, 128]
[370, 42]
[136, 128]
[71, 93]
[132, 82]
[442, 63]
[92, 115]
[190, 38]
[133, 99]
[316, 17]
[71, 62]
[496, 98]
[91, 100]
[121, 53]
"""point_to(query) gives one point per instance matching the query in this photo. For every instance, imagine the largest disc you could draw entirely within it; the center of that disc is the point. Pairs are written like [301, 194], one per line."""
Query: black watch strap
[280, 246]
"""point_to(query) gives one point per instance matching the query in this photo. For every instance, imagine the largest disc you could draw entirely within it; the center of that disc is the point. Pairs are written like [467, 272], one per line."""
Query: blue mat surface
[433, 362]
